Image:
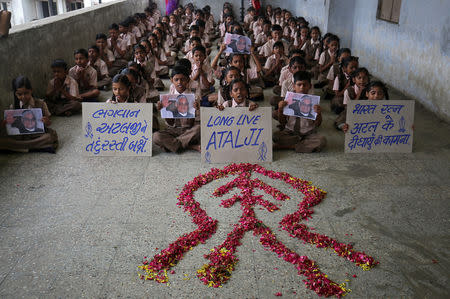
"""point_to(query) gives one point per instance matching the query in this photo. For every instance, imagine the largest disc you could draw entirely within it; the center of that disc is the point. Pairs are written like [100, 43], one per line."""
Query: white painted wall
[414, 55]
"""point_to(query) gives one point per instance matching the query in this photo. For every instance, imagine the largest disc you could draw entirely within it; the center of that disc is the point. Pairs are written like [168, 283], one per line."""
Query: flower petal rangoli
[222, 259]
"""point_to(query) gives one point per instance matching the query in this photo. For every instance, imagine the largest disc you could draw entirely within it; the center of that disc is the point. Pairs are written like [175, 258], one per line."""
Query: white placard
[236, 135]
[123, 129]
[379, 126]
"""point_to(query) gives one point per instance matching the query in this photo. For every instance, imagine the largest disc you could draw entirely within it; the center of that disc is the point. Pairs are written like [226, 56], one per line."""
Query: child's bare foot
[195, 147]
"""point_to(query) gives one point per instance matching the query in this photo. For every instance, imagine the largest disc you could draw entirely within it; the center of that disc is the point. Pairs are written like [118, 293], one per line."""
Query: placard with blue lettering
[379, 126]
[236, 135]
[123, 129]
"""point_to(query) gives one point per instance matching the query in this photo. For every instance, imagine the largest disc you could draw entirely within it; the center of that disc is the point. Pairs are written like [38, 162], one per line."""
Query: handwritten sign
[117, 129]
[379, 126]
[236, 135]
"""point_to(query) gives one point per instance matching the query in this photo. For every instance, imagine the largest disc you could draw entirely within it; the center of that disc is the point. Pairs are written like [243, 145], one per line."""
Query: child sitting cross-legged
[298, 133]
[62, 96]
[181, 133]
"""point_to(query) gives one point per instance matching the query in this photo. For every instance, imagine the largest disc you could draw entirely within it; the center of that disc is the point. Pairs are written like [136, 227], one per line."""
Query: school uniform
[248, 19]
[156, 15]
[267, 49]
[349, 95]
[272, 79]
[302, 133]
[232, 103]
[161, 70]
[222, 29]
[138, 94]
[310, 48]
[260, 39]
[46, 140]
[179, 134]
[325, 58]
[90, 76]
[119, 61]
[286, 85]
[150, 23]
[257, 29]
[102, 72]
[176, 32]
[198, 85]
[136, 32]
[108, 56]
[58, 104]
[142, 28]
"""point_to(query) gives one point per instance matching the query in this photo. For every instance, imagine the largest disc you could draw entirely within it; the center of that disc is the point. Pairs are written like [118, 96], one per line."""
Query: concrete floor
[73, 226]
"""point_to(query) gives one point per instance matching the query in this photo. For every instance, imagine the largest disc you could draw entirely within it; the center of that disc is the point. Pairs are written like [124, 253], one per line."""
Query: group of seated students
[286, 55]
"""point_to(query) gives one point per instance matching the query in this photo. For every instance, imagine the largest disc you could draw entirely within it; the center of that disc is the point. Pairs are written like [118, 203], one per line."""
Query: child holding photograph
[62, 94]
[239, 94]
[23, 99]
[299, 133]
[181, 133]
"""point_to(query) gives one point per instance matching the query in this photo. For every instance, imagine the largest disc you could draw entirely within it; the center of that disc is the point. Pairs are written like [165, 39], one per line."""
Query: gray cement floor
[73, 226]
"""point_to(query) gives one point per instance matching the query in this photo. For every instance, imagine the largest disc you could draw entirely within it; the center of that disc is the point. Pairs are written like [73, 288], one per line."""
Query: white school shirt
[109, 55]
[347, 97]
[331, 73]
[100, 65]
[209, 75]
[261, 38]
[234, 104]
[162, 57]
[257, 29]
[272, 59]
[267, 49]
[126, 37]
[336, 82]
[322, 57]
[120, 43]
[70, 85]
[90, 73]
[285, 74]
[137, 32]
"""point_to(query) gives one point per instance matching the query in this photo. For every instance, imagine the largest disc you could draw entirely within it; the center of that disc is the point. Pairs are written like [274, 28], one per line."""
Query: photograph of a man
[24, 121]
[238, 44]
[301, 105]
[177, 106]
